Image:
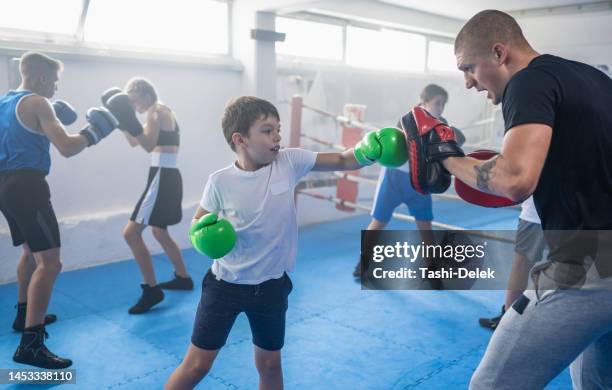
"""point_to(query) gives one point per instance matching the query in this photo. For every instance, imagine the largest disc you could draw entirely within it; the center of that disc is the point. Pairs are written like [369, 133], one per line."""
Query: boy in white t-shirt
[255, 195]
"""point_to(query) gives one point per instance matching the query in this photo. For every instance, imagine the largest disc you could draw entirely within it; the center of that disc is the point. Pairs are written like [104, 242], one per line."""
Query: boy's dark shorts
[25, 201]
[264, 304]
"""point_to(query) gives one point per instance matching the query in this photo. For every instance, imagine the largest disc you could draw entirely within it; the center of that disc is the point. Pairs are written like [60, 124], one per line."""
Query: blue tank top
[20, 147]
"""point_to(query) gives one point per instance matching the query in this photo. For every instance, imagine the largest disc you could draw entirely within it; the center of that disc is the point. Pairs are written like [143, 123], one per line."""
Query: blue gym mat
[338, 336]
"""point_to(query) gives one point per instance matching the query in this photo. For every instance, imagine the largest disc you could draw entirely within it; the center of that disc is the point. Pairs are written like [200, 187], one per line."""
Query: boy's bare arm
[336, 161]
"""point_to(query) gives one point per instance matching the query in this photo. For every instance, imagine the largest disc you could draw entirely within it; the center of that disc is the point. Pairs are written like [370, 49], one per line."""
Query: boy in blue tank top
[29, 124]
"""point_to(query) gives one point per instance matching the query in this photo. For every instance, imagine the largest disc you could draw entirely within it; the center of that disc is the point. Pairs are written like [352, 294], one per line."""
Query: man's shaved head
[487, 28]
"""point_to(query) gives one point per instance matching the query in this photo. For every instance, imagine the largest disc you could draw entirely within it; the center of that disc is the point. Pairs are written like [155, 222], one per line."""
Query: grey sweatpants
[564, 327]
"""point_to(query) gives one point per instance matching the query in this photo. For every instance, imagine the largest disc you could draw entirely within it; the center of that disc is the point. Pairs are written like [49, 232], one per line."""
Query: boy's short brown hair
[240, 114]
[431, 91]
[34, 64]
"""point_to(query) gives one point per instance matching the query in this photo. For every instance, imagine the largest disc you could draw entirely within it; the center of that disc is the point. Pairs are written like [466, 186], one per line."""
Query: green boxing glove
[387, 146]
[212, 237]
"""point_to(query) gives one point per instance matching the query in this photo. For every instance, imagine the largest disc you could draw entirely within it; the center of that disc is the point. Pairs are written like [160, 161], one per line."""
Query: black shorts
[264, 304]
[160, 203]
[25, 201]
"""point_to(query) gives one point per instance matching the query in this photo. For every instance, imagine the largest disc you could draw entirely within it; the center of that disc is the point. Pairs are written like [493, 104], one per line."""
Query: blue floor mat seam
[442, 367]
[138, 377]
[317, 314]
[179, 359]
[378, 337]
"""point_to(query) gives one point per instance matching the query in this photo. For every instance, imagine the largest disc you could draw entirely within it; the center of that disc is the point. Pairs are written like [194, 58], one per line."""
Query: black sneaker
[178, 283]
[32, 350]
[491, 323]
[19, 323]
[150, 297]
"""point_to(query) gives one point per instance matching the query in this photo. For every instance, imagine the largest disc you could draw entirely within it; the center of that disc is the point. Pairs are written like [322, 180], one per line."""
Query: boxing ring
[353, 127]
[422, 339]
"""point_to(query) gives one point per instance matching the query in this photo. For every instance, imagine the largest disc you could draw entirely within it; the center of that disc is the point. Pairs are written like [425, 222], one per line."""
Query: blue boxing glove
[109, 93]
[119, 105]
[101, 124]
[64, 112]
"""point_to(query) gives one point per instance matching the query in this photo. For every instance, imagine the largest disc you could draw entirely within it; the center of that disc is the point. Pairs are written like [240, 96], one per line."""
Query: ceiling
[465, 9]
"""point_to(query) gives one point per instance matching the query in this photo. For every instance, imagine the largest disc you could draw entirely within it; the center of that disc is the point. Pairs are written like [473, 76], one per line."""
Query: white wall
[585, 37]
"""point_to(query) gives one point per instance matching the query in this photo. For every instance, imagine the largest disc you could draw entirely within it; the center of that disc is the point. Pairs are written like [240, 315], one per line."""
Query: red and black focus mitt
[429, 141]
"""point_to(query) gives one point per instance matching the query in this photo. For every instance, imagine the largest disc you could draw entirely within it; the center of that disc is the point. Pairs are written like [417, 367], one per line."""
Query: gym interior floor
[338, 336]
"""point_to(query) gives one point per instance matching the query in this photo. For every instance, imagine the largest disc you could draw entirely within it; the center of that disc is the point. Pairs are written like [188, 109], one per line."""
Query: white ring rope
[404, 217]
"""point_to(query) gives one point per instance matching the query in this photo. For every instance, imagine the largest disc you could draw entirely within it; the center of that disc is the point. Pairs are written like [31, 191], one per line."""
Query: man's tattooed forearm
[483, 174]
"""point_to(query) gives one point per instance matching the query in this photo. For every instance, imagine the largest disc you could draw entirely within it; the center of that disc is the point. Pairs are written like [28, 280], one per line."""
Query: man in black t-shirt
[558, 146]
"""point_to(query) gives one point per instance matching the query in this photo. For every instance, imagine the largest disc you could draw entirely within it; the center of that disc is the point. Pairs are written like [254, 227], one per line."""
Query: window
[309, 39]
[57, 17]
[441, 57]
[385, 49]
[193, 26]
